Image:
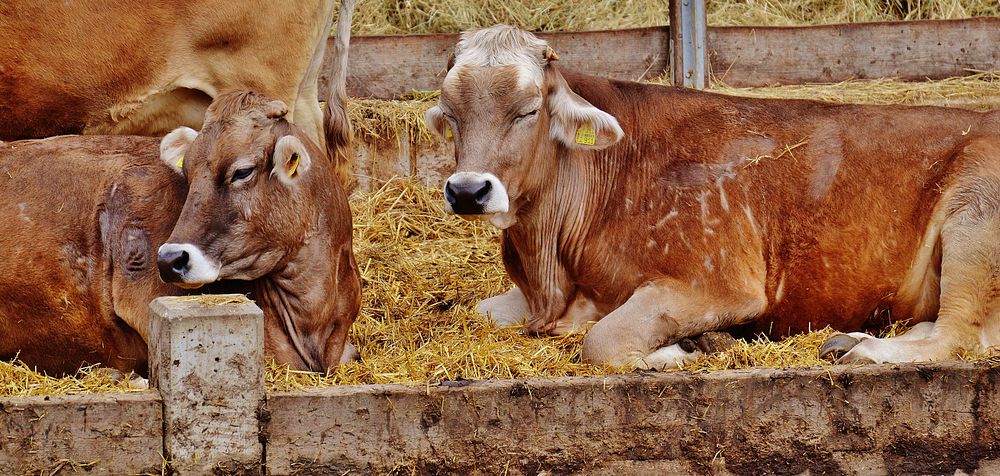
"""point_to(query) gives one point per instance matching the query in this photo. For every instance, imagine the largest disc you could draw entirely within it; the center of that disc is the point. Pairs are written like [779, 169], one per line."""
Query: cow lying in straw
[95, 227]
[663, 213]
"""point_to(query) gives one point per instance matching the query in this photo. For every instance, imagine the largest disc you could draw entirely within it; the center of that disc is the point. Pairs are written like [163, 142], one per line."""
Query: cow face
[243, 215]
[510, 112]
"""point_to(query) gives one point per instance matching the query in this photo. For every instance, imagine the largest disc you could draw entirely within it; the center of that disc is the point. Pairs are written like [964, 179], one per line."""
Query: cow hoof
[837, 346]
[713, 342]
[855, 360]
[350, 354]
[669, 357]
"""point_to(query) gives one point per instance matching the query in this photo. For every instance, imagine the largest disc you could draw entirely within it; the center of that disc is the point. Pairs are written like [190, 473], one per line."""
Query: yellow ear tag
[295, 164]
[448, 134]
[180, 162]
[585, 134]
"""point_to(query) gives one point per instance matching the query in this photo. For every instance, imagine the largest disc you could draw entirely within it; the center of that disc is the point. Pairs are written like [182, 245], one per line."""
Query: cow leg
[645, 330]
[511, 309]
[506, 310]
[579, 312]
[969, 316]
[837, 347]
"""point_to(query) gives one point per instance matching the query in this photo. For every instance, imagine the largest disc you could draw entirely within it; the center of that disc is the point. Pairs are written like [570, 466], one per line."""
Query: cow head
[510, 111]
[246, 172]
[264, 205]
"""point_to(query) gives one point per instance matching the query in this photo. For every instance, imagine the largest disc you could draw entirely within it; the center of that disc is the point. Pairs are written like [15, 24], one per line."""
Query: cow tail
[339, 133]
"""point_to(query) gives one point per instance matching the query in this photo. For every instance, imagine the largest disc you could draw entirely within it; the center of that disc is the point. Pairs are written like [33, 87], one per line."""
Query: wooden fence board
[389, 66]
[918, 50]
[97, 434]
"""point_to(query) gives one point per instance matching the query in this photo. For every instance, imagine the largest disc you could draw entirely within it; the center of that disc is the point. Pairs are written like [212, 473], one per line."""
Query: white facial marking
[497, 200]
[502, 45]
[201, 270]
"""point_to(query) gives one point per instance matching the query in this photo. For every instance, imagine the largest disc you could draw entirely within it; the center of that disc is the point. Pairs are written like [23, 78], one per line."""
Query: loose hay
[381, 17]
[17, 380]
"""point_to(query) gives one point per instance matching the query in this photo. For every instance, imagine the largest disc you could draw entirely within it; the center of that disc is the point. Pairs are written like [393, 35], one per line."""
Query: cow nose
[468, 198]
[173, 264]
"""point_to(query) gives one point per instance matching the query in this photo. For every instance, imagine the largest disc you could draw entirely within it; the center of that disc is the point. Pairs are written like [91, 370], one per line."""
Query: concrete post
[206, 359]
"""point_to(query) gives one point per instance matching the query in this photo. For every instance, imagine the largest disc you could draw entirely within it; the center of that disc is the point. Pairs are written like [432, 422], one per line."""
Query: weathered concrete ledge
[110, 434]
[885, 419]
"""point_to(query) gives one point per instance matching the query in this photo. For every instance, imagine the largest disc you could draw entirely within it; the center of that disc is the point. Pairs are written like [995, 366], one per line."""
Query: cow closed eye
[526, 115]
[241, 174]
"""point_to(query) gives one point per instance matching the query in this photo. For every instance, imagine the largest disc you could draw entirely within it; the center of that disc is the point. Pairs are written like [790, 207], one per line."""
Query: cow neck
[295, 296]
[548, 239]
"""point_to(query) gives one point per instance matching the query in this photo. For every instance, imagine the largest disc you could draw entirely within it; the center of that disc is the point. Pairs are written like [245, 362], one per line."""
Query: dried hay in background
[978, 91]
[392, 17]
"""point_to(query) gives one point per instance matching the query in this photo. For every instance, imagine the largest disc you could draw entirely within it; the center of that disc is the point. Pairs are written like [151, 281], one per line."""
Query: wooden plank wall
[388, 66]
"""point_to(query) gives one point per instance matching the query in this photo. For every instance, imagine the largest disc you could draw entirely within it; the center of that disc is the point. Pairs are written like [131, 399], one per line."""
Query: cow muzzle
[185, 265]
[469, 193]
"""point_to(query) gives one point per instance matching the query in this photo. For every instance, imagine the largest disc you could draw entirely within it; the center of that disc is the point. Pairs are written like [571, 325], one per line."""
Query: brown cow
[664, 213]
[92, 223]
[135, 67]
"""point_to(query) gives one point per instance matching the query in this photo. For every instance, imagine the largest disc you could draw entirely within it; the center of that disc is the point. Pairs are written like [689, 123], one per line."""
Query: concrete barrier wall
[886, 419]
[91, 434]
[210, 415]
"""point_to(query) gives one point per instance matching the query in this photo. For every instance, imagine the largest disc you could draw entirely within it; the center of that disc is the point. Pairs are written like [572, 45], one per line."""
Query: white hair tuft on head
[503, 45]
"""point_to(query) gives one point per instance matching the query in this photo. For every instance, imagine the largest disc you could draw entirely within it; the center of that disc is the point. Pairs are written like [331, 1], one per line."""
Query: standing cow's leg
[969, 317]
[644, 330]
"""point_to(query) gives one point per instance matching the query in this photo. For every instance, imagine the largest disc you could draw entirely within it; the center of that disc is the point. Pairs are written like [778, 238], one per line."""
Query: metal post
[206, 359]
[688, 43]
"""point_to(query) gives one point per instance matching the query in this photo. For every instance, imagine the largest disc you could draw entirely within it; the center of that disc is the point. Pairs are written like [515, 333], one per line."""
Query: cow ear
[437, 122]
[174, 147]
[291, 161]
[578, 124]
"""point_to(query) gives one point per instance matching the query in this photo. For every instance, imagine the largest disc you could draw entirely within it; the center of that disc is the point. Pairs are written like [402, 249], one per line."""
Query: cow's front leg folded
[512, 309]
[507, 309]
[647, 330]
